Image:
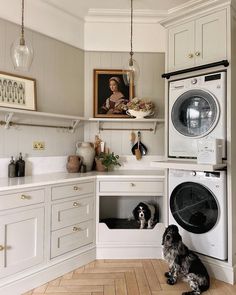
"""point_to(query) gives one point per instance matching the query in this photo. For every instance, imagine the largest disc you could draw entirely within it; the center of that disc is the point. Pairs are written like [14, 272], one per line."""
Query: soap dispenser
[20, 166]
[12, 168]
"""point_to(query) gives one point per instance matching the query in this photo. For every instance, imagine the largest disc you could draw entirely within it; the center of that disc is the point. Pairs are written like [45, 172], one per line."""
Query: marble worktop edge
[64, 177]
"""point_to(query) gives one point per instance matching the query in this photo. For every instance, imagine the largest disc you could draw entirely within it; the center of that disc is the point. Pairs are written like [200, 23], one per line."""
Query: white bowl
[139, 114]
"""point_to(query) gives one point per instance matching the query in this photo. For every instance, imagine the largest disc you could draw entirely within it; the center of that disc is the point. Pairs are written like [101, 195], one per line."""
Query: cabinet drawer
[21, 199]
[75, 189]
[71, 238]
[155, 187]
[72, 212]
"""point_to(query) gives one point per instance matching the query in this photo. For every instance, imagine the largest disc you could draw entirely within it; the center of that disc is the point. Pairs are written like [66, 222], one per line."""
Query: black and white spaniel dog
[183, 262]
[145, 213]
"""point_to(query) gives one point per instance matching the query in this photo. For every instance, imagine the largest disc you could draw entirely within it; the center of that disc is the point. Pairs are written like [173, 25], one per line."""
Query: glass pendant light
[131, 70]
[21, 50]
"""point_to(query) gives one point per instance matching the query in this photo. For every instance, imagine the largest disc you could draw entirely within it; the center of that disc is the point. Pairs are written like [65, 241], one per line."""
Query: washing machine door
[194, 207]
[195, 113]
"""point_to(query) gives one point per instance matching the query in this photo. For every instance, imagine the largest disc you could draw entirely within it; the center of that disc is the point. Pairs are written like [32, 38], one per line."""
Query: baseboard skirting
[48, 274]
[128, 252]
[221, 272]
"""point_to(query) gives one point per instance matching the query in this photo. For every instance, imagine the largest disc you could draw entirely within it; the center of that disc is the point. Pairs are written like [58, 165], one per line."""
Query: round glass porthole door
[194, 207]
[195, 113]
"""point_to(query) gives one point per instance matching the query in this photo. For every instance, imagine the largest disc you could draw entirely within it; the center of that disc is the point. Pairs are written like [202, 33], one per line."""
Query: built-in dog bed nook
[122, 223]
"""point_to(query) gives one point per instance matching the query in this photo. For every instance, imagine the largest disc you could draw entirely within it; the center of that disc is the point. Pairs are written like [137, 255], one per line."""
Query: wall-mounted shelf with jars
[15, 117]
[154, 121]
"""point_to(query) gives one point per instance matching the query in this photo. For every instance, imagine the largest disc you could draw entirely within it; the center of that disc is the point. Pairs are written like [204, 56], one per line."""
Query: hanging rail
[224, 63]
[127, 129]
[35, 125]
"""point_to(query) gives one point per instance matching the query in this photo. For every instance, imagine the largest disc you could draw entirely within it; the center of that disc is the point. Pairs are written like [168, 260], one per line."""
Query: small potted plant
[106, 161]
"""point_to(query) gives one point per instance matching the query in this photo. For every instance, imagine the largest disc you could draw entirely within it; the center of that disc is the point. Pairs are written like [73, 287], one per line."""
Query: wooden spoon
[139, 146]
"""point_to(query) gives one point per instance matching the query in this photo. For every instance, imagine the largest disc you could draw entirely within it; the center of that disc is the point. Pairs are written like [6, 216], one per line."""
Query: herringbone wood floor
[122, 277]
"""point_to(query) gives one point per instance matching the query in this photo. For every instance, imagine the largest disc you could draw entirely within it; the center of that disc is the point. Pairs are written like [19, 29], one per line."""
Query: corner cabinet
[200, 41]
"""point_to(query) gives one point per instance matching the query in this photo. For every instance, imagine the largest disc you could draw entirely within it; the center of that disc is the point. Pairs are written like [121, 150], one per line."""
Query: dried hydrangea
[139, 104]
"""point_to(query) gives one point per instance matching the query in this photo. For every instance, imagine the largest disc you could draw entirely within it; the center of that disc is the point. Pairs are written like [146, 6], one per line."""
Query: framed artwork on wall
[17, 92]
[111, 94]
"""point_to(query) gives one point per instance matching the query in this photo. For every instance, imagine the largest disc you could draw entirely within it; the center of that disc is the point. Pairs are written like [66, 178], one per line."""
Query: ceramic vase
[87, 153]
[73, 164]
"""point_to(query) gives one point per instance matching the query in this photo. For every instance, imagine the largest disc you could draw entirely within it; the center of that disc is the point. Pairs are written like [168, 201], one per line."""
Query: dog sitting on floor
[145, 213]
[183, 262]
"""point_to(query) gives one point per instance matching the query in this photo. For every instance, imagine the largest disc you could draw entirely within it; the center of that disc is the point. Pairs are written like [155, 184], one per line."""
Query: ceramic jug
[73, 164]
[87, 153]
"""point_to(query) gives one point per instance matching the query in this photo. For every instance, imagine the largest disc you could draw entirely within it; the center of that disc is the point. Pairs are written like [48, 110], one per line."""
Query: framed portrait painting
[111, 94]
[17, 92]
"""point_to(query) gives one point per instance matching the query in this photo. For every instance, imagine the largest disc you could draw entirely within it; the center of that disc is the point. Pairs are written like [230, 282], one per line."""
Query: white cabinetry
[21, 231]
[21, 236]
[116, 200]
[73, 217]
[200, 41]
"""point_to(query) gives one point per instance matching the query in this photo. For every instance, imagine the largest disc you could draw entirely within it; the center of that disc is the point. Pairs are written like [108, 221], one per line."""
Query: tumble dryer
[197, 109]
[198, 206]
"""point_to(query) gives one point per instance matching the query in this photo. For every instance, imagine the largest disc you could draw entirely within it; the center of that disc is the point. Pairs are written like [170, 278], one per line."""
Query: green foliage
[109, 160]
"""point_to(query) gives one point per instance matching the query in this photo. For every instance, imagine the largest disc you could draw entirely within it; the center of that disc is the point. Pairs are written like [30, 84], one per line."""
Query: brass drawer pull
[197, 53]
[190, 55]
[75, 204]
[132, 184]
[76, 188]
[24, 197]
[1, 248]
[76, 228]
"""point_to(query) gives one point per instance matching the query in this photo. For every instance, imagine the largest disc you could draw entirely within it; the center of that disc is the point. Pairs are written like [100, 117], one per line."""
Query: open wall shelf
[22, 115]
[153, 121]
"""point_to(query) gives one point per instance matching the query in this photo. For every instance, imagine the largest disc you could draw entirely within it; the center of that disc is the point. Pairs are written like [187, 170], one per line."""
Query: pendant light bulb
[131, 71]
[21, 50]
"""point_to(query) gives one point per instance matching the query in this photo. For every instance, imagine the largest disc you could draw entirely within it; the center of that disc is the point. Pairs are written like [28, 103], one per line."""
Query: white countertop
[63, 177]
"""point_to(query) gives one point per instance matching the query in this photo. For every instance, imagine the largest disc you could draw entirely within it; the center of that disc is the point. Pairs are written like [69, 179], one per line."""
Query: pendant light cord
[131, 35]
[22, 39]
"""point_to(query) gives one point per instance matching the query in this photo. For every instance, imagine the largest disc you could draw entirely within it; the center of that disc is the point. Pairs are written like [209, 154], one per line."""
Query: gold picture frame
[110, 92]
[17, 92]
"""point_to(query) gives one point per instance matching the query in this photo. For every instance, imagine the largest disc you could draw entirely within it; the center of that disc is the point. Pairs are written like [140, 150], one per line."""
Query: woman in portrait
[115, 102]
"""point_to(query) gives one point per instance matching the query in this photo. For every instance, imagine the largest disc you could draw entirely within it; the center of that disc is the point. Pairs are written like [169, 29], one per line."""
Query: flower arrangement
[139, 104]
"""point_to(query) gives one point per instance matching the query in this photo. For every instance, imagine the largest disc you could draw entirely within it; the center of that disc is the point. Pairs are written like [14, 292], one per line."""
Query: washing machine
[198, 206]
[197, 109]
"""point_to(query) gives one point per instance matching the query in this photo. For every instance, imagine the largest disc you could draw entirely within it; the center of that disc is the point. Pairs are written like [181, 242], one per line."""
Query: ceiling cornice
[123, 15]
[194, 7]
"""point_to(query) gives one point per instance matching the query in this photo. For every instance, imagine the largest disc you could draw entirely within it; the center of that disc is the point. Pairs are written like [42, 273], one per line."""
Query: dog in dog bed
[183, 262]
[145, 213]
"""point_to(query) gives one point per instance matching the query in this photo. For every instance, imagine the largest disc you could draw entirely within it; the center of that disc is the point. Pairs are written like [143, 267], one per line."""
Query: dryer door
[195, 113]
[194, 207]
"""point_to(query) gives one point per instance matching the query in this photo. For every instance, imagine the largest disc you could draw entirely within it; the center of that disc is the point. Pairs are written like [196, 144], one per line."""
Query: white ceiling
[80, 8]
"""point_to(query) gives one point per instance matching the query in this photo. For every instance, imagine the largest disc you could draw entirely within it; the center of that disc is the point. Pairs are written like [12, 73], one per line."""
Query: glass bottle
[20, 167]
[12, 168]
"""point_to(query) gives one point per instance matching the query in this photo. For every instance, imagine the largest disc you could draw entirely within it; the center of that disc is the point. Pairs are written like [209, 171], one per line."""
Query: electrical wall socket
[39, 145]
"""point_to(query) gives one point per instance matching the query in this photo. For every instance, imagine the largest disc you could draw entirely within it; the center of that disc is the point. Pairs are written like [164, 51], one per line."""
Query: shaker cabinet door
[21, 240]
[211, 40]
[181, 46]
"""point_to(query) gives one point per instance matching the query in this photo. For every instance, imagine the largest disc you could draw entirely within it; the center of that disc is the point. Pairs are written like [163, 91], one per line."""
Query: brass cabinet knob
[24, 197]
[197, 53]
[1, 248]
[76, 188]
[75, 204]
[132, 184]
[190, 55]
[75, 228]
